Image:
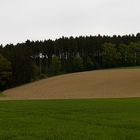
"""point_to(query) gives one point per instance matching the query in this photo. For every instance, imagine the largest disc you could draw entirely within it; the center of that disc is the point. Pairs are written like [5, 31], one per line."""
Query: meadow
[2, 95]
[93, 119]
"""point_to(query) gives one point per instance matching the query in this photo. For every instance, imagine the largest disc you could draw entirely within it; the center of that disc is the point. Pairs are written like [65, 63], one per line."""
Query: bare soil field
[117, 83]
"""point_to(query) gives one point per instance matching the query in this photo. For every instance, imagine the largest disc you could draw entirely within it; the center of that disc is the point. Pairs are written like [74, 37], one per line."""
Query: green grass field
[98, 119]
[1, 95]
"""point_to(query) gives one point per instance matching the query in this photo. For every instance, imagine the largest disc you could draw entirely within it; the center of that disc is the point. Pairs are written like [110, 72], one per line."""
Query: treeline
[33, 60]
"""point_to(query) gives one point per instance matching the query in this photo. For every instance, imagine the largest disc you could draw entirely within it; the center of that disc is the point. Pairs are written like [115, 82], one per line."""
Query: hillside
[95, 84]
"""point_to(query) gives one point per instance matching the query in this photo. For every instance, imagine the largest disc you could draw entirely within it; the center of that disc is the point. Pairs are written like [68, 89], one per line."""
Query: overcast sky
[43, 19]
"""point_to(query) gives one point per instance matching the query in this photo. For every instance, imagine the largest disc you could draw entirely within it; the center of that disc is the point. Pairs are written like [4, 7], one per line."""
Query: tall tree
[5, 73]
[110, 56]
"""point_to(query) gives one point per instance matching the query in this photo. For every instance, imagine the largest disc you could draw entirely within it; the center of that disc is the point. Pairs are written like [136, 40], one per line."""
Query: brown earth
[117, 83]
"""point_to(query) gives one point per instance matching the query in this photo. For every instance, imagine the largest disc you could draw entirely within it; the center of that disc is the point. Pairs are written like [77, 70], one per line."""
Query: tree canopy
[5, 72]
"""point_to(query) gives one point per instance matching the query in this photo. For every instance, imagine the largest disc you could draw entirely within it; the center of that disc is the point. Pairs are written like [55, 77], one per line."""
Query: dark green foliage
[110, 56]
[5, 73]
[99, 119]
[22, 66]
[31, 60]
[56, 65]
[89, 64]
[77, 64]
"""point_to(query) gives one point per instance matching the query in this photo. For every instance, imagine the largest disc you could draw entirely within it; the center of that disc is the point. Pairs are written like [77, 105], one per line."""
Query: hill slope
[95, 84]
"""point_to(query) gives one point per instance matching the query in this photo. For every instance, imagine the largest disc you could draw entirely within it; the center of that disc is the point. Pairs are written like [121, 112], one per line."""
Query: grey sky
[42, 19]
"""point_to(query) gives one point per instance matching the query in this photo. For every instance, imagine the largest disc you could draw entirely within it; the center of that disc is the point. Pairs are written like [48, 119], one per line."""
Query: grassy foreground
[99, 119]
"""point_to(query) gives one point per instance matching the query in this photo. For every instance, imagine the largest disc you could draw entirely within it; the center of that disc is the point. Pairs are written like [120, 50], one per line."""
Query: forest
[33, 60]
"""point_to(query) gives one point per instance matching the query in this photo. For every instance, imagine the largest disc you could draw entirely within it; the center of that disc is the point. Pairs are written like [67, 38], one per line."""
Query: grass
[98, 119]
[1, 94]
